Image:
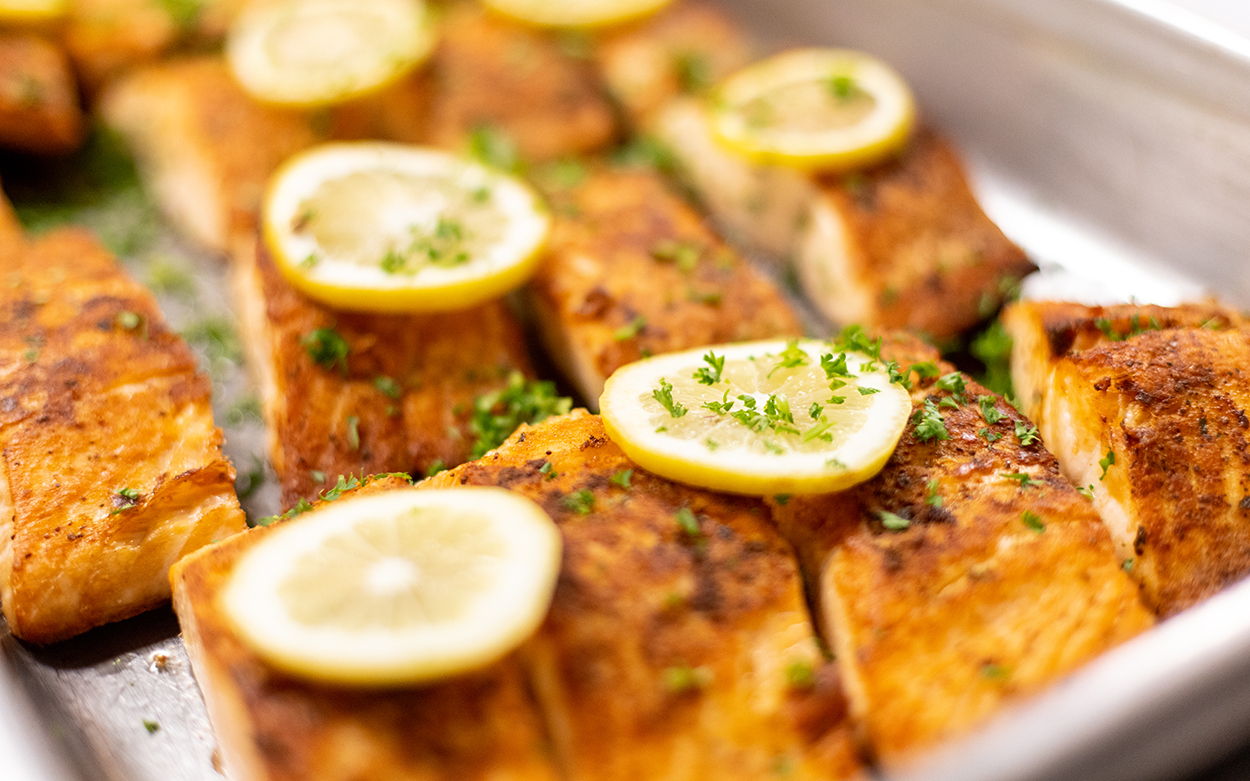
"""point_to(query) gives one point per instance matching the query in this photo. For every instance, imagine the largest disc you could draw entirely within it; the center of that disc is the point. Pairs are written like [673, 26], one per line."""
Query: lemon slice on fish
[32, 11]
[398, 587]
[385, 227]
[772, 417]
[308, 53]
[576, 13]
[815, 109]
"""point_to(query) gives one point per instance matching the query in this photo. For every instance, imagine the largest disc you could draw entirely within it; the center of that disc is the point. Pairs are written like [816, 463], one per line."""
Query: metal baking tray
[1110, 138]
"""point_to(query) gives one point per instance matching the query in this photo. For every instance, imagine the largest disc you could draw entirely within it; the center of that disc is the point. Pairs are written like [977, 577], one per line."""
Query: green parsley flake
[548, 470]
[327, 349]
[1032, 521]
[687, 521]
[989, 436]
[353, 432]
[800, 675]
[151, 726]
[1023, 479]
[1127, 565]
[791, 357]
[863, 391]
[1087, 491]
[930, 424]
[435, 467]
[496, 415]
[492, 146]
[623, 478]
[1026, 434]
[683, 678]
[630, 330]
[955, 384]
[711, 444]
[712, 374]
[387, 386]
[995, 672]
[684, 254]
[665, 396]
[1106, 462]
[317, 476]
[933, 499]
[581, 502]
[782, 499]
[835, 367]
[895, 523]
[989, 409]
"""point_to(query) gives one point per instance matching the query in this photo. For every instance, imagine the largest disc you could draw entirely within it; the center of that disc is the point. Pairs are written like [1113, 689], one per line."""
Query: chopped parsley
[955, 384]
[782, 499]
[790, 357]
[1020, 477]
[151, 726]
[835, 367]
[353, 432]
[499, 413]
[387, 386]
[1127, 566]
[1033, 522]
[125, 499]
[550, 472]
[683, 678]
[1106, 462]
[688, 523]
[895, 523]
[1136, 326]
[930, 424]
[630, 329]
[989, 436]
[301, 507]
[853, 339]
[711, 444]
[800, 675]
[989, 409]
[492, 146]
[933, 499]
[684, 254]
[436, 466]
[994, 672]
[665, 396]
[622, 478]
[924, 369]
[581, 502]
[819, 431]
[694, 72]
[1025, 433]
[815, 411]
[327, 348]
[317, 475]
[712, 373]
[863, 391]
[1087, 491]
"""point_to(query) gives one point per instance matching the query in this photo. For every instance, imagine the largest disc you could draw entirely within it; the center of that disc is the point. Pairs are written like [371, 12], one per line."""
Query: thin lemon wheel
[576, 13]
[397, 588]
[32, 11]
[384, 227]
[309, 53]
[815, 109]
[760, 418]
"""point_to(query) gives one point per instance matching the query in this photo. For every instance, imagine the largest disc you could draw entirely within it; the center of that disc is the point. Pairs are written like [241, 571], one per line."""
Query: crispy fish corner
[273, 727]
[965, 576]
[112, 467]
[632, 270]
[669, 651]
[906, 245]
[39, 110]
[1148, 407]
[685, 49]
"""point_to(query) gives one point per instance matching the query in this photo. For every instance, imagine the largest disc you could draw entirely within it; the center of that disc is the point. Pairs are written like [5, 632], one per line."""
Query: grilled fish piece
[674, 649]
[1148, 406]
[112, 467]
[39, 109]
[967, 575]
[685, 49]
[399, 400]
[905, 245]
[274, 727]
[632, 270]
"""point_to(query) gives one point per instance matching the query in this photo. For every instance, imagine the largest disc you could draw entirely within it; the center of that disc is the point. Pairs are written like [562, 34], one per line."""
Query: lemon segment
[385, 227]
[777, 417]
[32, 11]
[399, 587]
[309, 53]
[576, 13]
[815, 109]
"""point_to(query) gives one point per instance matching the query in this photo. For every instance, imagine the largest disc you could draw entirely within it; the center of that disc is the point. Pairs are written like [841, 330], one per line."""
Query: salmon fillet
[632, 270]
[39, 109]
[112, 467]
[1148, 406]
[271, 726]
[400, 399]
[667, 653]
[965, 576]
[905, 245]
[687, 48]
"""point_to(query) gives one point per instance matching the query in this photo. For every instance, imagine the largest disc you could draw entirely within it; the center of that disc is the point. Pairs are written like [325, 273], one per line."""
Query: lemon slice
[816, 109]
[576, 13]
[307, 53]
[393, 228]
[32, 11]
[399, 587]
[771, 417]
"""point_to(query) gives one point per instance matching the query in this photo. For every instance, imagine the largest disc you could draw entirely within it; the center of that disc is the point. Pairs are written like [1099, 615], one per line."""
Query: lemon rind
[523, 12]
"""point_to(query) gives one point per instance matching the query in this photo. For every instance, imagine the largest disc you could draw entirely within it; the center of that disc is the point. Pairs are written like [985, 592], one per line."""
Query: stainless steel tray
[1110, 138]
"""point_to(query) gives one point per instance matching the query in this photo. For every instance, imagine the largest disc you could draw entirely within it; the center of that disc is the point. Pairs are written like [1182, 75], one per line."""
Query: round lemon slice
[32, 11]
[307, 53]
[816, 109]
[576, 13]
[759, 418]
[391, 228]
[398, 587]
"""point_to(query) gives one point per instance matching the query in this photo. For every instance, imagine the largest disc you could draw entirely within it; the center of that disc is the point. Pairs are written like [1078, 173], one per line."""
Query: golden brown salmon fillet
[39, 109]
[678, 645]
[633, 270]
[1148, 407]
[965, 576]
[271, 726]
[683, 50]
[345, 392]
[906, 245]
[112, 467]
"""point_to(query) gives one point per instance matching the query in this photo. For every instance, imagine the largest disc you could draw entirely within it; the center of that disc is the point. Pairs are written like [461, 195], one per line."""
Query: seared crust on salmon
[669, 651]
[39, 109]
[966, 575]
[1148, 406]
[632, 270]
[399, 401]
[905, 245]
[112, 467]
[271, 726]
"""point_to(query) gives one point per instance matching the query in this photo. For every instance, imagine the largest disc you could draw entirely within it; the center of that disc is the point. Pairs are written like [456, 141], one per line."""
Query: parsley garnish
[499, 413]
[1025, 433]
[1127, 565]
[711, 375]
[1033, 522]
[895, 523]
[863, 391]
[580, 502]
[711, 444]
[1106, 462]
[924, 369]
[1020, 477]
[989, 409]
[995, 672]
[630, 329]
[791, 357]
[684, 678]
[782, 499]
[492, 146]
[665, 396]
[435, 467]
[1135, 327]
[327, 348]
[683, 253]
[933, 499]
[930, 424]
[688, 523]
[800, 675]
[317, 475]
[151, 726]
[548, 470]
[955, 384]
[622, 478]
[834, 367]
[353, 432]
[814, 411]
[387, 386]
[1087, 491]
[819, 431]
[990, 436]
[126, 499]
